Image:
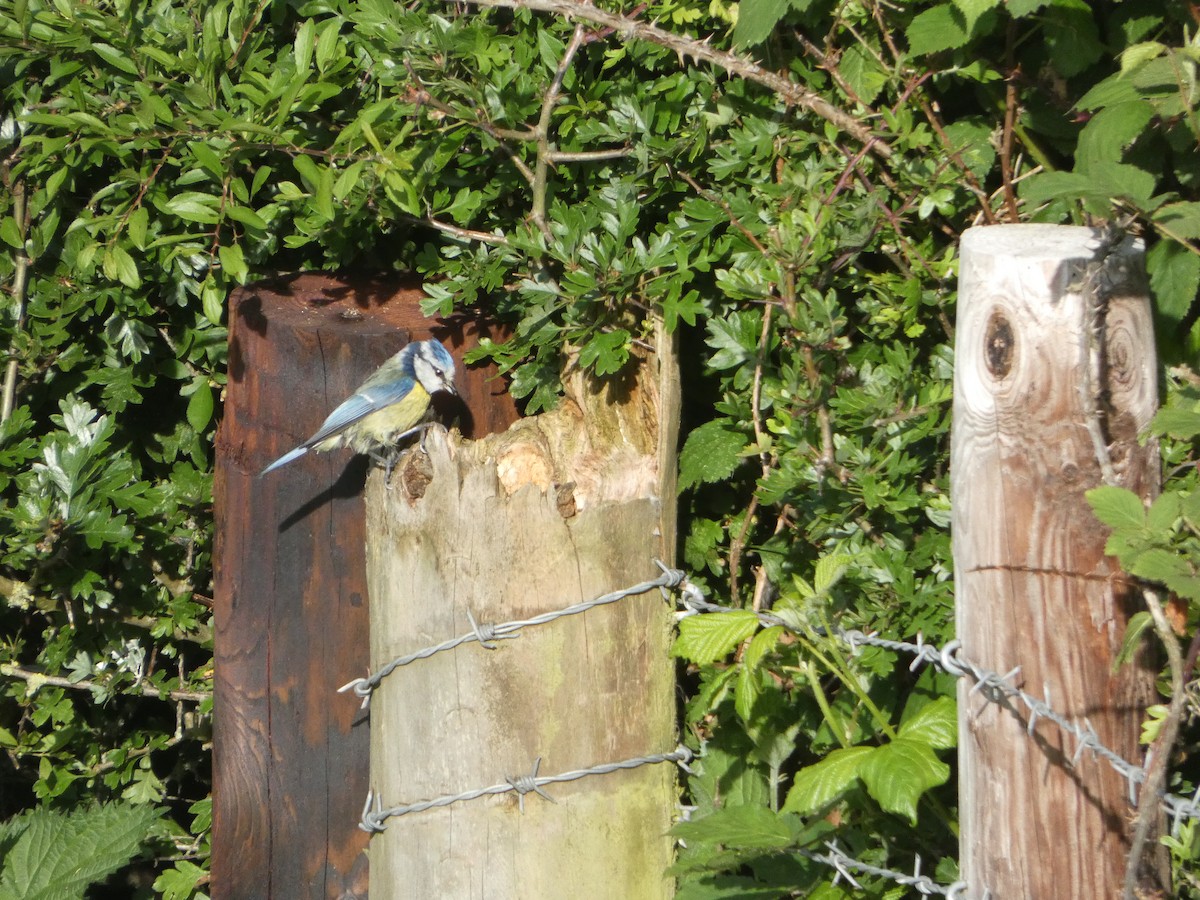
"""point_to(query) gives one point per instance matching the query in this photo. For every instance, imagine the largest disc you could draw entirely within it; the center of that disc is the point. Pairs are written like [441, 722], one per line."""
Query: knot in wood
[999, 345]
[416, 475]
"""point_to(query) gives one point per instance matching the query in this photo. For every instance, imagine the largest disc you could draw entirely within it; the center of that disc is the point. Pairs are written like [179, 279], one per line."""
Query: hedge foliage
[782, 181]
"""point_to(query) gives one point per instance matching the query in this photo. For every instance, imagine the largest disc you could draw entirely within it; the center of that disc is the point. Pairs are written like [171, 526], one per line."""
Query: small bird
[387, 407]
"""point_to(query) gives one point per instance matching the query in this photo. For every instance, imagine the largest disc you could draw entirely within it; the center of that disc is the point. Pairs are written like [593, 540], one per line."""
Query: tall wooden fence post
[562, 508]
[290, 757]
[1034, 588]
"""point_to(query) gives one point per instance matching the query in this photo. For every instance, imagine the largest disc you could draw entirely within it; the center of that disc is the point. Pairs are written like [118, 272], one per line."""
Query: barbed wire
[991, 685]
[923, 884]
[485, 634]
[374, 815]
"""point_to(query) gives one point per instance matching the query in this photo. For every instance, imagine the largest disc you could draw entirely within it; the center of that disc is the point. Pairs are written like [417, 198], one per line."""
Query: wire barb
[485, 634]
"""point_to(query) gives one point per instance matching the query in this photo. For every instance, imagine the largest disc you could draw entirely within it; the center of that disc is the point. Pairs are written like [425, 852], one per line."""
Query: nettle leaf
[819, 784]
[708, 637]
[711, 453]
[898, 773]
[58, 854]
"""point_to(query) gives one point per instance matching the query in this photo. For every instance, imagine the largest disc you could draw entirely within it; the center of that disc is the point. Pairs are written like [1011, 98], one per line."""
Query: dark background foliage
[794, 221]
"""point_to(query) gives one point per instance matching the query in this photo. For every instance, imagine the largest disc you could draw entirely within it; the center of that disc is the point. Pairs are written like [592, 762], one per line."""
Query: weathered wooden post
[1032, 424]
[562, 508]
[290, 762]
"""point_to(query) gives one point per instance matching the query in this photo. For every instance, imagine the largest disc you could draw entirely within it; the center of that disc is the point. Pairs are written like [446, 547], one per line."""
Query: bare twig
[20, 279]
[545, 147]
[632, 29]
[37, 680]
[1149, 813]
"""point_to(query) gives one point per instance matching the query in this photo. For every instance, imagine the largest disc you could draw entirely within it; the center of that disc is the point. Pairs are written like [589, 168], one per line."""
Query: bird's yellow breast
[382, 426]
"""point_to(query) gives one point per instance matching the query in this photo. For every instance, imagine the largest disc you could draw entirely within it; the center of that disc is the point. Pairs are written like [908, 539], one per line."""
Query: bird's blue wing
[380, 390]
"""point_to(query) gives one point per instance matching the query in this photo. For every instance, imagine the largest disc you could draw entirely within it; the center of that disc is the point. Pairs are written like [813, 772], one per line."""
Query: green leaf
[193, 206]
[1177, 422]
[829, 571]
[200, 407]
[972, 9]
[10, 234]
[935, 724]
[756, 20]
[1161, 565]
[898, 773]
[234, 262]
[115, 58]
[1164, 512]
[1181, 220]
[749, 827]
[303, 47]
[1072, 38]
[941, 28]
[1140, 624]
[1110, 131]
[1136, 55]
[58, 854]
[180, 882]
[1174, 280]
[711, 453]
[607, 352]
[819, 784]
[707, 637]
[119, 266]
[1117, 507]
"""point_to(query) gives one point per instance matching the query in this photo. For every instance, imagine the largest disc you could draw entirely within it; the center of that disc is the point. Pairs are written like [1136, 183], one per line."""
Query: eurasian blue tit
[388, 406]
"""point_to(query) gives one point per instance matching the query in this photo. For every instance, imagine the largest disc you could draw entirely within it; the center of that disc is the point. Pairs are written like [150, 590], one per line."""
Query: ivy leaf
[711, 453]
[708, 637]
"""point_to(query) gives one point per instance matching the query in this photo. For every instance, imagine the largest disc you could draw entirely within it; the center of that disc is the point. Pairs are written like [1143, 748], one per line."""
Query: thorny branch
[701, 51]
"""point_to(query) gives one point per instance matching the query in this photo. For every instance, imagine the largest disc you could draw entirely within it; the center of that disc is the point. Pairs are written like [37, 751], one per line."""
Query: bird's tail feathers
[284, 460]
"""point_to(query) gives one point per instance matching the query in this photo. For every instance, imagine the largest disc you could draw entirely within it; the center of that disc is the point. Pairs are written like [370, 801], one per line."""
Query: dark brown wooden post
[1034, 588]
[290, 756]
